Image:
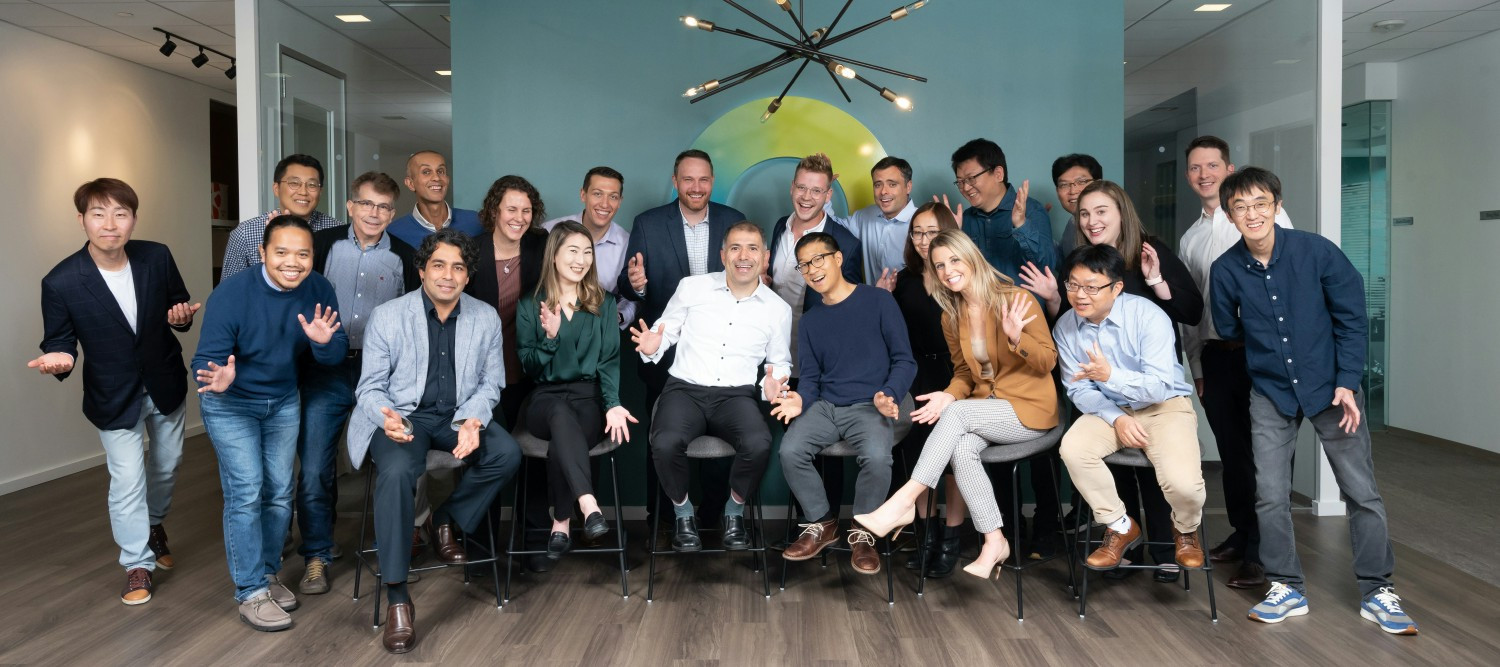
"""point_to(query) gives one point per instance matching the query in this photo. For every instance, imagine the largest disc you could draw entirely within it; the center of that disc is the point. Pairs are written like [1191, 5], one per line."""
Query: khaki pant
[1172, 428]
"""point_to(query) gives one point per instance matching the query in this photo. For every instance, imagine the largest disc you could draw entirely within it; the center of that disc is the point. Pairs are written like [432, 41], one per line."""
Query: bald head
[427, 176]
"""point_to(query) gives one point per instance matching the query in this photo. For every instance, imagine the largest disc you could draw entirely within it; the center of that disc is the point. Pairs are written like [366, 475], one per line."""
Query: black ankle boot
[922, 543]
[941, 563]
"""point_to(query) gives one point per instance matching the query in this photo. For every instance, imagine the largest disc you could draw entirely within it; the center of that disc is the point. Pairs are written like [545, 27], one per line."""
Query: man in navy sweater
[845, 393]
[258, 322]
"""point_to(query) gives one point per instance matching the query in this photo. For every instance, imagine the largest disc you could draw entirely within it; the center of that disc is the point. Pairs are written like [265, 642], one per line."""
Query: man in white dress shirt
[725, 325]
[1220, 375]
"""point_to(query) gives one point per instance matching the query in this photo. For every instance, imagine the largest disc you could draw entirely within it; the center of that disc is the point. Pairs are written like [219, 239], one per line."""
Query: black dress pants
[570, 417]
[687, 411]
[713, 473]
[1226, 404]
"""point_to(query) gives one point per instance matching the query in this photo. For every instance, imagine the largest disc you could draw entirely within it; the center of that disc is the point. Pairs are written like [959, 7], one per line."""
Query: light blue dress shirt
[1137, 340]
[882, 239]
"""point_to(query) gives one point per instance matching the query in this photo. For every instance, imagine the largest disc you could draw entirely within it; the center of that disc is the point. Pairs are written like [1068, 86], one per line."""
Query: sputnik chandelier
[809, 48]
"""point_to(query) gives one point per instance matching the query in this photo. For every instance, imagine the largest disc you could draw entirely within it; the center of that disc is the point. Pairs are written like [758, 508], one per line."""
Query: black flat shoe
[685, 537]
[594, 526]
[537, 563]
[1166, 576]
[735, 537]
[558, 544]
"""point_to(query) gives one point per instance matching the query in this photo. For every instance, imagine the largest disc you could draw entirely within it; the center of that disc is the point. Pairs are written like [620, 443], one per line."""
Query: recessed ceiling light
[352, 18]
[1388, 25]
[1288, 61]
[444, 72]
[124, 15]
[447, 18]
[394, 117]
[1212, 7]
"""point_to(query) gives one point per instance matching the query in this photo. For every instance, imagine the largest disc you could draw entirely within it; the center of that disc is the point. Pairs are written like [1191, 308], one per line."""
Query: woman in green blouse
[569, 343]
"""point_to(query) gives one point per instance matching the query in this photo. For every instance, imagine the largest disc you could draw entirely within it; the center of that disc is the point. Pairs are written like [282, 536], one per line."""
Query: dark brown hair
[101, 190]
[487, 211]
[1132, 234]
[945, 222]
[382, 183]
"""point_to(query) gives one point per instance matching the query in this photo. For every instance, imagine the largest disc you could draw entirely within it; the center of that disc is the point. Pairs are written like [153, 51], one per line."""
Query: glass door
[1366, 224]
[313, 122]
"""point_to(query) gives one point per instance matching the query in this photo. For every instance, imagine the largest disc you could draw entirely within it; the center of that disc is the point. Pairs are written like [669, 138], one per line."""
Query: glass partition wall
[1366, 225]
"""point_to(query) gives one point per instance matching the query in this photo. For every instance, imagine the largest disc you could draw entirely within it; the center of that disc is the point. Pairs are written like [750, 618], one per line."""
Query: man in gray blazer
[431, 376]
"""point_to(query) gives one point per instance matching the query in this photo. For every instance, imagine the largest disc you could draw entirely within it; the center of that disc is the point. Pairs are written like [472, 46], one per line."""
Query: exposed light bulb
[846, 72]
[785, 5]
[900, 12]
[694, 22]
[770, 109]
[701, 88]
[902, 102]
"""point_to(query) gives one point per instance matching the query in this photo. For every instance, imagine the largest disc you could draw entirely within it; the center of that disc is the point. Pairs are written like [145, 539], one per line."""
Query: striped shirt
[696, 237]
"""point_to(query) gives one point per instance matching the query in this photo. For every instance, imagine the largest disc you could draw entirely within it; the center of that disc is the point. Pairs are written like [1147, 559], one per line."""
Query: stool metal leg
[1015, 508]
[655, 529]
[1080, 525]
[515, 526]
[364, 521]
[614, 482]
[1068, 546]
[494, 563]
[758, 542]
[927, 538]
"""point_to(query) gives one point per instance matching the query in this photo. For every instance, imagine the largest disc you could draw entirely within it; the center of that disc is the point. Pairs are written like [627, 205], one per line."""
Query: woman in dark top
[569, 344]
[511, 253]
[924, 324]
[1106, 215]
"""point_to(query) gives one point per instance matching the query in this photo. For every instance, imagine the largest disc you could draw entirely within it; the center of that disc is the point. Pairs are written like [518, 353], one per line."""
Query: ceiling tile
[90, 37]
[108, 13]
[1433, 5]
[32, 16]
[1357, 6]
[1484, 19]
[1429, 40]
[1414, 20]
[212, 13]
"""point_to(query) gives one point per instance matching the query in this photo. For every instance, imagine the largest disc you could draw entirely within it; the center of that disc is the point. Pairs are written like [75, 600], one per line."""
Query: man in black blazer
[121, 299]
[668, 243]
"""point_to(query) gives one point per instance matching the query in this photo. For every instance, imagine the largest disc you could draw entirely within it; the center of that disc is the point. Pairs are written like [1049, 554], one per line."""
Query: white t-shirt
[122, 284]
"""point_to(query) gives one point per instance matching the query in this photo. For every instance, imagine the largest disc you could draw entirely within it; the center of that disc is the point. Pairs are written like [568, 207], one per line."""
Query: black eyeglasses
[920, 236]
[1091, 290]
[966, 181]
[381, 207]
[815, 263]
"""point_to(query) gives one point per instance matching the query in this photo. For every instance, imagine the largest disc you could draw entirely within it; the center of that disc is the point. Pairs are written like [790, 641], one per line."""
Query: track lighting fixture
[170, 46]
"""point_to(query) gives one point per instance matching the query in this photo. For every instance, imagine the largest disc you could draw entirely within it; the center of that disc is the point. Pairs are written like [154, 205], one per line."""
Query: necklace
[510, 263]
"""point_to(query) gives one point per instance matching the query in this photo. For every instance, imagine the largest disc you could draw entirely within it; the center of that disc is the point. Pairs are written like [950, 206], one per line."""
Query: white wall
[1445, 155]
[72, 115]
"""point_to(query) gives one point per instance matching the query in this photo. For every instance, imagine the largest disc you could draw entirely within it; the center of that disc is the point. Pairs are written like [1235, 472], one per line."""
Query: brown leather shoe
[815, 536]
[1107, 556]
[1189, 552]
[400, 633]
[863, 556]
[137, 586]
[448, 549]
[1251, 575]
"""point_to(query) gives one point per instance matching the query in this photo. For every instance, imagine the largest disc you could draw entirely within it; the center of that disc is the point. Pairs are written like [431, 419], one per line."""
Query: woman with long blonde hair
[570, 345]
[1001, 392]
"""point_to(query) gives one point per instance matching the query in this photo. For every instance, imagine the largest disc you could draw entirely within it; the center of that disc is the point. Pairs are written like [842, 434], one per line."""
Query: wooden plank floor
[62, 607]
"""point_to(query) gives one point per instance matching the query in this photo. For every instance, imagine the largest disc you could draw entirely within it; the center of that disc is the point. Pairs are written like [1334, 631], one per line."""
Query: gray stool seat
[842, 448]
[709, 447]
[1129, 457]
[536, 448]
[1022, 450]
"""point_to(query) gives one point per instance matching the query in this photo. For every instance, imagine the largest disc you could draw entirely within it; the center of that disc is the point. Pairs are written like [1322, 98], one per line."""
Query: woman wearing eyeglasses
[1107, 216]
[1001, 391]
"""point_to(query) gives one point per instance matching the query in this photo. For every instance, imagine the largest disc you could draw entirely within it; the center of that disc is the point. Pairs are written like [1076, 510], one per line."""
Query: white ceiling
[411, 39]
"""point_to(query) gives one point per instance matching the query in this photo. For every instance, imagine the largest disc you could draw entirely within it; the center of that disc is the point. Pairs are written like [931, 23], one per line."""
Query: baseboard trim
[1492, 456]
[80, 465]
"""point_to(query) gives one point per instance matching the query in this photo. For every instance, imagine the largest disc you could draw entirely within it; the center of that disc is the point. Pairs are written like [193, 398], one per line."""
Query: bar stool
[1136, 458]
[841, 450]
[709, 447]
[366, 559]
[536, 448]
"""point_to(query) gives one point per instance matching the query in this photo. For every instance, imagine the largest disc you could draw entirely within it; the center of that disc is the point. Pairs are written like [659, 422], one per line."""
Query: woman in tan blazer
[1001, 393]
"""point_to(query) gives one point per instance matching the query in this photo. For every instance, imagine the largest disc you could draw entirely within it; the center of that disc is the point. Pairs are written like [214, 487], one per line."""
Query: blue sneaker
[1281, 601]
[1384, 608]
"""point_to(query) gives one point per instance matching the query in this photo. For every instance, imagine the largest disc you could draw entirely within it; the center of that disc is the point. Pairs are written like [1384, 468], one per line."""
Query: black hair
[1209, 141]
[1102, 259]
[1240, 182]
[606, 172]
[988, 154]
[1066, 162]
[892, 161]
[453, 237]
[297, 159]
[287, 220]
[692, 153]
[817, 237]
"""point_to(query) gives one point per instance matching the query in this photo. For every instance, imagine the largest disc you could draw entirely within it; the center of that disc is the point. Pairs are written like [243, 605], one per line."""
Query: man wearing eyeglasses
[1009, 228]
[367, 267]
[857, 366]
[1071, 174]
[812, 186]
[427, 177]
[1220, 375]
[297, 184]
[1299, 306]
[1119, 364]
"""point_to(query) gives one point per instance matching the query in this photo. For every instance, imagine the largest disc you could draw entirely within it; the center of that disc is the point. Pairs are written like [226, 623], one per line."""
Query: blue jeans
[256, 440]
[141, 481]
[327, 399]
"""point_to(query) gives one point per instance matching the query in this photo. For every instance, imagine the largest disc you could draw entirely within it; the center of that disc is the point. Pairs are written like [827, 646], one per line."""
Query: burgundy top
[510, 295]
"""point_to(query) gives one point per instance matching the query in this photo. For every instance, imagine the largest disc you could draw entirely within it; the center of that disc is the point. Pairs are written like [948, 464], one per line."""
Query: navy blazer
[848, 244]
[77, 307]
[657, 236]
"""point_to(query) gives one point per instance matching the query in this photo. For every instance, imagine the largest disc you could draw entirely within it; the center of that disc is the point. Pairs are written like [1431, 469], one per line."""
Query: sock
[440, 517]
[684, 509]
[733, 507]
[397, 593]
[1120, 525]
[827, 516]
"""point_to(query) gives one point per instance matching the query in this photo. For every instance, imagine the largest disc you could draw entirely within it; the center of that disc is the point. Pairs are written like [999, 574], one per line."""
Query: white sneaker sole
[1370, 616]
[1299, 611]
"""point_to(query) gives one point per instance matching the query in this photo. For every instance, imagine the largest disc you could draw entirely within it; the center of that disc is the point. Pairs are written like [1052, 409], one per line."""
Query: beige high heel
[879, 528]
[991, 571]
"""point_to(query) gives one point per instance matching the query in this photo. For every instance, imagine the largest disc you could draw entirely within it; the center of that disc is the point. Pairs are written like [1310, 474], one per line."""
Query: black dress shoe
[539, 563]
[735, 537]
[685, 537]
[942, 561]
[1166, 576]
[594, 526]
[558, 544]
[1225, 553]
[1251, 575]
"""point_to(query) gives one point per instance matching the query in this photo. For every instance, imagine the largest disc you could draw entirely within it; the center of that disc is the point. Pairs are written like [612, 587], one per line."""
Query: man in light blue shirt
[603, 190]
[1120, 367]
[882, 226]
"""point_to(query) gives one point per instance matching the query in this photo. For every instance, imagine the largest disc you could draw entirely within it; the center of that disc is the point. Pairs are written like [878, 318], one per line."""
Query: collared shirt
[696, 237]
[787, 281]
[609, 258]
[243, 249]
[1007, 247]
[1137, 340]
[721, 340]
[363, 277]
[882, 239]
[416, 214]
[440, 393]
[1302, 317]
[265, 274]
[1203, 243]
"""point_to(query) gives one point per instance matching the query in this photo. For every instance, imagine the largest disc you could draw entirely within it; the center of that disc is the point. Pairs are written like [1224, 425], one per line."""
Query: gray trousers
[823, 424]
[1273, 437]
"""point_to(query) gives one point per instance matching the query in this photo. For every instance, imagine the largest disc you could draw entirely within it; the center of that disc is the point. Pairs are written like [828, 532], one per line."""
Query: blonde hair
[590, 293]
[817, 163]
[993, 287]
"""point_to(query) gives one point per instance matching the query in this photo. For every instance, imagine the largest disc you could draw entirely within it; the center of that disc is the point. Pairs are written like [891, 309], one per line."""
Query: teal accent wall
[549, 89]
